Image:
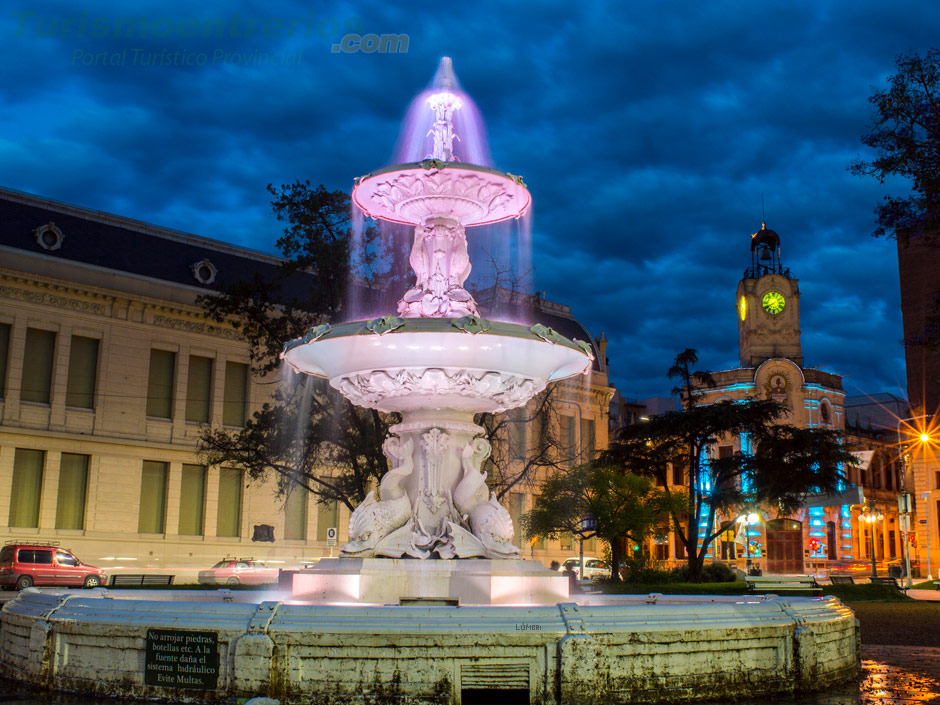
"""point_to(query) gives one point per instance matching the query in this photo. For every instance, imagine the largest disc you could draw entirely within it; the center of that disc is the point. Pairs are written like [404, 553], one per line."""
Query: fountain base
[390, 581]
[604, 649]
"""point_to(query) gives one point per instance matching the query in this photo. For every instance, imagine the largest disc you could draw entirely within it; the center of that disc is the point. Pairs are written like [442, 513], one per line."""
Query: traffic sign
[331, 536]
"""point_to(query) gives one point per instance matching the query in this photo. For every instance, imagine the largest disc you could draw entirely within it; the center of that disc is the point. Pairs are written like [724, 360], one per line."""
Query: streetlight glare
[924, 437]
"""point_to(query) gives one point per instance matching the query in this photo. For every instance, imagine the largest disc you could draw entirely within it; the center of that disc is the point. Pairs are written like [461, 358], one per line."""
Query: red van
[23, 565]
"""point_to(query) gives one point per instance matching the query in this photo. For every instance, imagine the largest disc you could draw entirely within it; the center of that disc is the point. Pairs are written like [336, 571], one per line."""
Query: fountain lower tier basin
[624, 649]
[428, 363]
[392, 581]
[467, 193]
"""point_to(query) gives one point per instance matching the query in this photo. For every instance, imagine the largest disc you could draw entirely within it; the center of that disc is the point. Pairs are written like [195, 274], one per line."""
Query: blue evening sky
[646, 132]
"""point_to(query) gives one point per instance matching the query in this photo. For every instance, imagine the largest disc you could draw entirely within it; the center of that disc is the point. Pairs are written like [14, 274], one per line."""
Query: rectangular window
[37, 366]
[160, 384]
[678, 474]
[153, 481]
[230, 503]
[236, 394]
[569, 437]
[4, 354]
[680, 547]
[566, 541]
[516, 426]
[83, 372]
[73, 486]
[295, 515]
[936, 480]
[540, 431]
[327, 516]
[27, 487]
[192, 500]
[516, 510]
[199, 389]
[936, 518]
[892, 548]
[588, 439]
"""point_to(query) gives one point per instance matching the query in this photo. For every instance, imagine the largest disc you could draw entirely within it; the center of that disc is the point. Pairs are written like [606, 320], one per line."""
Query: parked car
[238, 571]
[23, 565]
[593, 567]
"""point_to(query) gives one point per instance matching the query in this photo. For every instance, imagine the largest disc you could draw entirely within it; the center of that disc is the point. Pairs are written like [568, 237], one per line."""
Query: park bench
[131, 579]
[842, 579]
[782, 583]
[893, 582]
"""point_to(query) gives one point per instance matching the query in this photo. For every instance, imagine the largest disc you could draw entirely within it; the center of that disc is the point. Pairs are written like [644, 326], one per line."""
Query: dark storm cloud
[646, 133]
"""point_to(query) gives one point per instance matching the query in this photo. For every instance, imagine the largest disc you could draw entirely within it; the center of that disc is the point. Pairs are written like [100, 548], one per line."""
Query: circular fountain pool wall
[654, 649]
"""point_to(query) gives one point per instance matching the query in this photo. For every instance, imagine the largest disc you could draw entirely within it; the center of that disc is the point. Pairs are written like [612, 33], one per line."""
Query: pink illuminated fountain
[437, 362]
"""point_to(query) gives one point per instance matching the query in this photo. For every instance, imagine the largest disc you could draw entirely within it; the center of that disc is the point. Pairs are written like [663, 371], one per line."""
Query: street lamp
[748, 520]
[923, 437]
[870, 515]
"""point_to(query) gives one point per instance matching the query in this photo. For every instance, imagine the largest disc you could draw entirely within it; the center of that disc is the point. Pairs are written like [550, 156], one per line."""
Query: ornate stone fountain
[328, 640]
[439, 363]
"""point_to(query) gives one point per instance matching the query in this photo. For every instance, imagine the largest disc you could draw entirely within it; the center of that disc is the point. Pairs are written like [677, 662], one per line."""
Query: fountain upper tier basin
[467, 193]
[395, 364]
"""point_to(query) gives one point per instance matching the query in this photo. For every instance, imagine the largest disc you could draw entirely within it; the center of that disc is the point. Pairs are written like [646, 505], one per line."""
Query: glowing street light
[870, 515]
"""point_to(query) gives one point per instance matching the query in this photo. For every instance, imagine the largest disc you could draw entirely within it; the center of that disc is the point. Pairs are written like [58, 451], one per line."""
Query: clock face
[742, 308]
[773, 302]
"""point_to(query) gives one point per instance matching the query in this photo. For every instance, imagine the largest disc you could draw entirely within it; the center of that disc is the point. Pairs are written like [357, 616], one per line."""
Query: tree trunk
[694, 557]
[617, 550]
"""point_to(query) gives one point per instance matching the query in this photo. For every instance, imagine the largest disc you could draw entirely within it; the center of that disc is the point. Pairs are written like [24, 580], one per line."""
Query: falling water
[302, 427]
[297, 388]
[355, 286]
[501, 279]
[415, 141]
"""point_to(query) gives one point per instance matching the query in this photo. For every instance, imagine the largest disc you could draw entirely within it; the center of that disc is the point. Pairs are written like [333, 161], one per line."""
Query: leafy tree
[517, 461]
[785, 463]
[308, 426]
[624, 506]
[905, 136]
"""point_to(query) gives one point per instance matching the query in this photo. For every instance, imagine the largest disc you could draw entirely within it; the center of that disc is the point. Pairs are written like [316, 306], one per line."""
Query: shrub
[717, 573]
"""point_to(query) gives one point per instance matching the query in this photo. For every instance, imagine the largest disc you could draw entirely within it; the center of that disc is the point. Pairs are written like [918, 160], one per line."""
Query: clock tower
[768, 303]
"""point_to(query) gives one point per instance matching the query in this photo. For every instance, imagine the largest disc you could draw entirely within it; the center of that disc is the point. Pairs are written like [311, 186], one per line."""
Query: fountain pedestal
[437, 373]
[393, 581]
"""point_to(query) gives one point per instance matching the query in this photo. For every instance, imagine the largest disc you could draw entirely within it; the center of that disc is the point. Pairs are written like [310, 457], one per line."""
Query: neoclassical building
[825, 533]
[108, 372]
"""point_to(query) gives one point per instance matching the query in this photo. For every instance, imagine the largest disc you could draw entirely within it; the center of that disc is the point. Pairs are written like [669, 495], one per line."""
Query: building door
[831, 540]
[784, 546]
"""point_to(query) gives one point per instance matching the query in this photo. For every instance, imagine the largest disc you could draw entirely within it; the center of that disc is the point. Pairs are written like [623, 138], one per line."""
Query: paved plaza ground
[900, 650]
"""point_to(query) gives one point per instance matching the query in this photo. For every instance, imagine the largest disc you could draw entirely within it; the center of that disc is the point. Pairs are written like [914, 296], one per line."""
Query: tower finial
[763, 220]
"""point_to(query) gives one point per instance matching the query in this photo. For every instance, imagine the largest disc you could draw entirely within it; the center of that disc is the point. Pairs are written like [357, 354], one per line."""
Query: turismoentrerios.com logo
[372, 44]
[85, 25]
